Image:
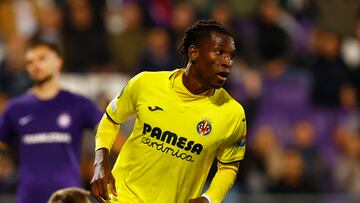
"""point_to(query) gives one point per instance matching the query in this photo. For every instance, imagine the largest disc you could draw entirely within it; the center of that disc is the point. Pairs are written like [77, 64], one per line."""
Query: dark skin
[208, 68]
[210, 63]
[102, 176]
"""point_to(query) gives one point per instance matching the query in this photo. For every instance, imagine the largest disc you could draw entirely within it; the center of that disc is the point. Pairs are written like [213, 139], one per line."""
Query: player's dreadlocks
[196, 33]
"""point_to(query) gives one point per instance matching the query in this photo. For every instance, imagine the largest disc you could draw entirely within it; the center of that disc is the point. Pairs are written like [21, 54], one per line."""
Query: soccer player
[184, 120]
[47, 122]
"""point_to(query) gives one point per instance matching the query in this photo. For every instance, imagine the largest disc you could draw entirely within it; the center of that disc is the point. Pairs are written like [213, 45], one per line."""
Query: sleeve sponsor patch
[113, 105]
[242, 142]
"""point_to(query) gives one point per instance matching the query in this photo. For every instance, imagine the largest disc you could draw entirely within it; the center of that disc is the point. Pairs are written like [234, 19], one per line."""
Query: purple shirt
[50, 135]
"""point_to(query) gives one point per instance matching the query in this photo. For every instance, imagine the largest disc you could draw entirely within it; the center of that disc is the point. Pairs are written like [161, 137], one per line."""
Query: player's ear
[193, 53]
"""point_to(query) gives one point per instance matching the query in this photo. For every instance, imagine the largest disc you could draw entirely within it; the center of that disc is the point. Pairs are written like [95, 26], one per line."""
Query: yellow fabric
[181, 91]
[175, 139]
[106, 133]
[222, 181]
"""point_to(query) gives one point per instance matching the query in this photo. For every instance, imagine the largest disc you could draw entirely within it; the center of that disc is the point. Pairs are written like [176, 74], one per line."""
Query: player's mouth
[223, 75]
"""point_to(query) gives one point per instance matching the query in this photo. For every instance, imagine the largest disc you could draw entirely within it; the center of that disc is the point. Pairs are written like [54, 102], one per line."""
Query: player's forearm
[222, 182]
[106, 134]
[101, 156]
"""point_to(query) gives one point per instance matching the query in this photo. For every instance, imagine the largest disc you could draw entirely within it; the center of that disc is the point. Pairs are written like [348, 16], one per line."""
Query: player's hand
[102, 177]
[198, 200]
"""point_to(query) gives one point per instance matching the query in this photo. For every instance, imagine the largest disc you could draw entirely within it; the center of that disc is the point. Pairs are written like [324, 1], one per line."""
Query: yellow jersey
[176, 137]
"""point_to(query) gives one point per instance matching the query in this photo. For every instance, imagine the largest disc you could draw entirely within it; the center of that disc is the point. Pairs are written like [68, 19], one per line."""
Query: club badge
[204, 127]
[64, 120]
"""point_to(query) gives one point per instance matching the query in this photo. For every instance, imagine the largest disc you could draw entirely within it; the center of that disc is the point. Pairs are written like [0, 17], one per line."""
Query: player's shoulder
[78, 101]
[73, 96]
[19, 103]
[225, 99]
[20, 100]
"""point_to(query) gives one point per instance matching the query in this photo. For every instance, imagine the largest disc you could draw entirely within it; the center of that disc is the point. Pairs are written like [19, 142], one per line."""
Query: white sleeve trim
[207, 197]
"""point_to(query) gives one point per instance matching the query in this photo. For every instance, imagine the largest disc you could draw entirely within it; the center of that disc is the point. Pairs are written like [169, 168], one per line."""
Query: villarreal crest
[204, 127]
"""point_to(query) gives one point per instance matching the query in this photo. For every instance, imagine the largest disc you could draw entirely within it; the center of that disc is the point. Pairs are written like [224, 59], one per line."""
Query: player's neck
[47, 90]
[192, 83]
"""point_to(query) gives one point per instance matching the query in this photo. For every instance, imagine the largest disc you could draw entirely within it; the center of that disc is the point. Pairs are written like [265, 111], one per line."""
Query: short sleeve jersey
[49, 133]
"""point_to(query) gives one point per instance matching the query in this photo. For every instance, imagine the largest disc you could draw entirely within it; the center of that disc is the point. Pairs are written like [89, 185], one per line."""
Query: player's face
[215, 60]
[42, 64]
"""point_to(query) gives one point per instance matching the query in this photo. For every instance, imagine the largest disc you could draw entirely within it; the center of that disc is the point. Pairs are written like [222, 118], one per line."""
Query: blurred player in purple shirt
[48, 123]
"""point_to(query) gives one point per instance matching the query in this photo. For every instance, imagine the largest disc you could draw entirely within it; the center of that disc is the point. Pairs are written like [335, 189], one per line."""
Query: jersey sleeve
[233, 147]
[7, 131]
[124, 104]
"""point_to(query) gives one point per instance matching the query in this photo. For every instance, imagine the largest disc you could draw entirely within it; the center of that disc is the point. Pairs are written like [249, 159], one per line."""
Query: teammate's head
[43, 61]
[208, 49]
[70, 195]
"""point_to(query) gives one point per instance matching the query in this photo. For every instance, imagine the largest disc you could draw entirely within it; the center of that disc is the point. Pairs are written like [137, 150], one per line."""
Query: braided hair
[195, 34]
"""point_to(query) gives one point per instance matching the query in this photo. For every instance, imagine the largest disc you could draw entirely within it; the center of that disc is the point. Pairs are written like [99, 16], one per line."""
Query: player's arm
[222, 182]
[104, 139]
[7, 129]
[118, 111]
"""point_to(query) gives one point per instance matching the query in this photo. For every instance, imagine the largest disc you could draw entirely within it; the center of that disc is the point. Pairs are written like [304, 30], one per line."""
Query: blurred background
[297, 74]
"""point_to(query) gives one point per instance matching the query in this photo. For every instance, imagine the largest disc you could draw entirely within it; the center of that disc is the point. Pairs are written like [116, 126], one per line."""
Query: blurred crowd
[297, 74]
